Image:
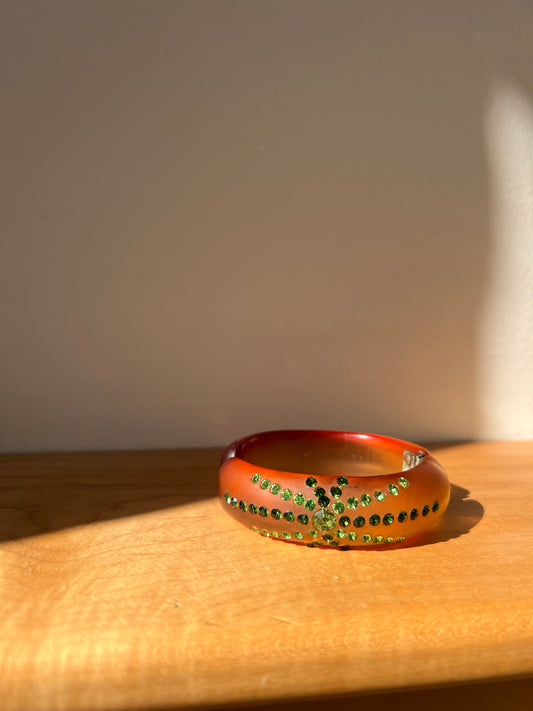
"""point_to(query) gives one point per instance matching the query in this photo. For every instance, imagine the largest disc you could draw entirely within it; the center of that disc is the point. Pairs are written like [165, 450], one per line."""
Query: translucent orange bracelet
[322, 488]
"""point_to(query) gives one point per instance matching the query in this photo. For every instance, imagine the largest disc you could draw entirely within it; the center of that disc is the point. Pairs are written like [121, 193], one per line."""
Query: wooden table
[124, 585]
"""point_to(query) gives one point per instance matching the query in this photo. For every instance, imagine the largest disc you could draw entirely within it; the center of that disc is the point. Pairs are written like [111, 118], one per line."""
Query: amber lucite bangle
[343, 489]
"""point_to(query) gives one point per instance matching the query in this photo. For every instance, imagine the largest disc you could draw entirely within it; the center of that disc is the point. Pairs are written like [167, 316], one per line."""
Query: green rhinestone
[286, 494]
[402, 516]
[352, 502]
[388, 519]
[402, 481]
[435, 506]
[286, 535]
[319, 491]
[275, 489]
[378, 539]
[359, 521]
[426, 509]
[299, 499]
[327, 537]
[351, 536]
[374, 520]
[310, 481]
[297, 535]
[400, 539]
[274, 534]
[242, 506]
[336, 492]
[340, 533]
[344, 521]
[256, 478]
[312, 533]
[324, 520]
[227, 497]
[310, 505]
[263, 511]
[252, 508]
[234, 501]
[289, 516]
[303, 519]
[334, 543]
[338, 507]
[380, 495]
[414, 514]
[342, 481]
[393, 489]
[366, 500]
[276, 513]
[265, 484]
[264, 532]
[255, 529]
[323, 501]
[389, 539]
[366, 538]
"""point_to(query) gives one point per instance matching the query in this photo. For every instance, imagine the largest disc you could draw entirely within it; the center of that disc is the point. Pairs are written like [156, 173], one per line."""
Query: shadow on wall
[245, 217]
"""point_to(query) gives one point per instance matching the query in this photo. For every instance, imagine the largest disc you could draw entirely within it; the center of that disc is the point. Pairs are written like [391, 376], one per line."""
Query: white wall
[224, 217]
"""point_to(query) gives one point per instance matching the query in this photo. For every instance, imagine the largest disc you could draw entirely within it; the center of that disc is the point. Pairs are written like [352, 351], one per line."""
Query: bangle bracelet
[324, 488]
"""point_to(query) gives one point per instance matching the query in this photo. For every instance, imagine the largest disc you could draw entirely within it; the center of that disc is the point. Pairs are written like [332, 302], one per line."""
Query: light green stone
[402, 481]
[286, 535]
[297, 535]
[340, 533]
[265, 484]
[366, 538]
[310, 505]
[286, 494]
[312, 533]
[256, 478]
[400, 539]
[324, 520]
[393, 489]
[338, 507]
[380, 495]
[389, 539]
[275, 489]
[352, 536]
[353, 502]
[274, 534]
[378, 539]
[299, 499]
[366, 500]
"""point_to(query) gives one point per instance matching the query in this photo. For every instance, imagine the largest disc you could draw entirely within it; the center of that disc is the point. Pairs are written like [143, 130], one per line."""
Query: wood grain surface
[124, 585]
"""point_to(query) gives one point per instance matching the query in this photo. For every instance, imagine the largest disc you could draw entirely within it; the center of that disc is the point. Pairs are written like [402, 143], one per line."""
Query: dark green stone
[327, 537]
[374, 520]
[425, 510]
[402, 516]
[435, 506]
[336, 492]
[228, 498]
[319, 491]
[342, 481]
[234, 501]
[242, 506]
[380, 495]
[323, 501]
[310, 505]
[303, 519]
[289, 516]
[310, 481]
[263, 511]
[286, 535]
[359, 521]
[366, 500]
[366, 538]
[414, 514]
[388, 519]
[353, 502]
[297, 535]
[344, 521]
[276, 513]
[252, 508]
[352, 536]
[378, 539]
[393, 489]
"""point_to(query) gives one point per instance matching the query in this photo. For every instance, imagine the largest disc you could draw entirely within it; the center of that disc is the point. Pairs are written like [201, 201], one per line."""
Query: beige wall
[222, 217]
